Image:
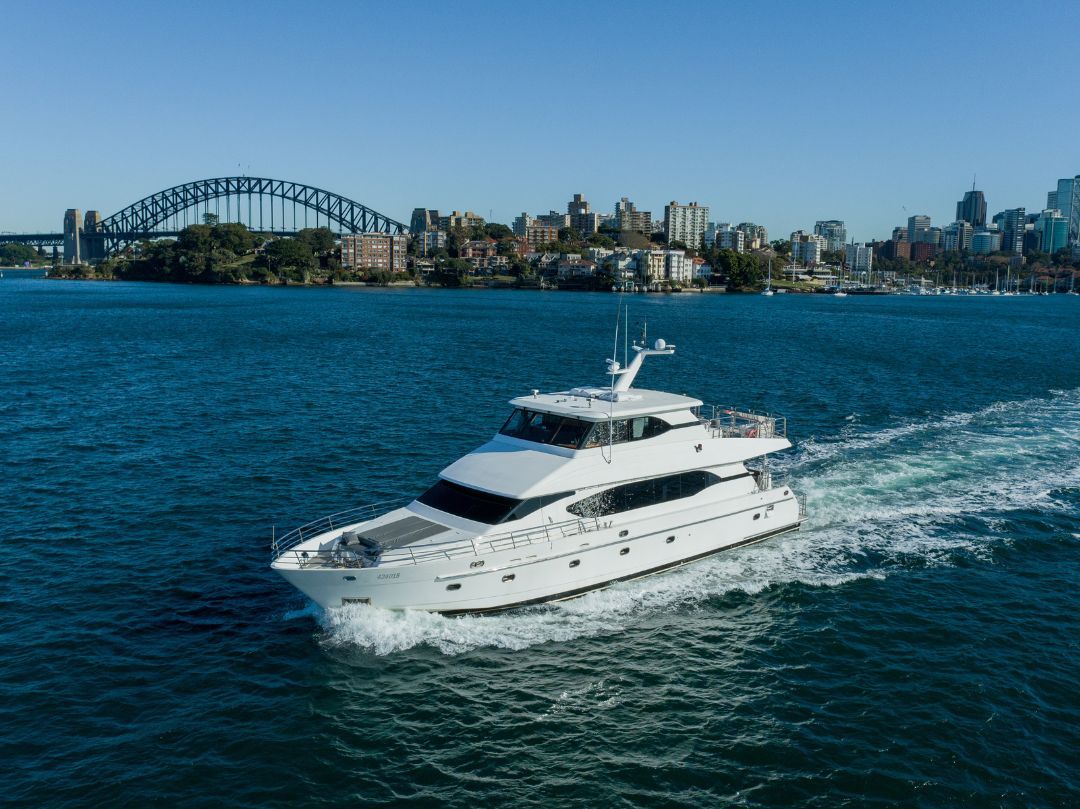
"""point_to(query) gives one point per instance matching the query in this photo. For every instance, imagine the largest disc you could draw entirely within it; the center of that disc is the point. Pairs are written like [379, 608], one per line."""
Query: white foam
[877, 502]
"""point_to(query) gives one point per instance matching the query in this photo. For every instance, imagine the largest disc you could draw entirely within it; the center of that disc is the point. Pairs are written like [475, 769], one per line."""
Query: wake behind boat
[579, 489]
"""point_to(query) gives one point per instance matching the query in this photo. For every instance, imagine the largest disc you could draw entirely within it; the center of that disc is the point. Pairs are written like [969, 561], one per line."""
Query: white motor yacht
[579, 490]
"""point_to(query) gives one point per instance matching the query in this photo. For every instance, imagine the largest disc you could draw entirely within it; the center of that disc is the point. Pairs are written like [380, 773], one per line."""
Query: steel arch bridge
[265, 201]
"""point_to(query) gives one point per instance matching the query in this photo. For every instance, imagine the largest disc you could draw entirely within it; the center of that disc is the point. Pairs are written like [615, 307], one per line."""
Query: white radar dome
[659, 345]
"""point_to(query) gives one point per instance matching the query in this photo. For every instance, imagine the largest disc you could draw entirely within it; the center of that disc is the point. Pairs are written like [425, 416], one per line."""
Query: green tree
[13, 254]
[290, 258]
[600, 240]
[497, 231]
[569, 235]
[210, 219]
[197, 238]
[234, 237]
[319, 240]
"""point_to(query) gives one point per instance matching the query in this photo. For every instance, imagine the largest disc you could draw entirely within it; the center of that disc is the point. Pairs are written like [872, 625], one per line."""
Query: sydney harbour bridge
[279, 207]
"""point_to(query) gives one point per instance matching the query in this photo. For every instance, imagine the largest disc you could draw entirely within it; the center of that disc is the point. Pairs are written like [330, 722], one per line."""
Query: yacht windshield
[472, 504]
[545, 428]
[491, 509]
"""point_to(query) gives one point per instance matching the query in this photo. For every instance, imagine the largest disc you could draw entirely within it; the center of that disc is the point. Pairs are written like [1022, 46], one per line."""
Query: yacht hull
[623, 549]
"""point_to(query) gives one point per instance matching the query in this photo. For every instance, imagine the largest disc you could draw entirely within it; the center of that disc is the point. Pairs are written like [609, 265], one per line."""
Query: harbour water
[915, 644]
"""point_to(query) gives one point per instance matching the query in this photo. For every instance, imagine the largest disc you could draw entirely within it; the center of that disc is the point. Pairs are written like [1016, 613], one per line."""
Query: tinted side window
[623, 430]
[643, 493]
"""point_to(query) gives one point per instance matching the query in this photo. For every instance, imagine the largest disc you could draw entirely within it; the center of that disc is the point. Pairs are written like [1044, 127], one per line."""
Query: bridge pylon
[72, 237]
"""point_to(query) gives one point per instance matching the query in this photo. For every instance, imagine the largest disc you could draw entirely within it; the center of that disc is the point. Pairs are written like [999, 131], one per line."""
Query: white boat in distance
[579, 490]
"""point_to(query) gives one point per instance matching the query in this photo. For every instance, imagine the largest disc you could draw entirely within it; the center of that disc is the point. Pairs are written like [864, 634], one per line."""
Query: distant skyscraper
[833, 231]
[985, 242]
[1053, 229]
[957, 236]
[1011, 223]
[1068, 202]
[916, 228]
[972, 208]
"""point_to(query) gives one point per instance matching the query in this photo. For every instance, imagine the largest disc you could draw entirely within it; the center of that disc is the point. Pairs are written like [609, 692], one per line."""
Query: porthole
[478, 563]
[669, 540]
[786, 492]
[509, 577]
[575, 563]
[349, 578]
[623, 533]
[624, 551]
[453, 587]
[757, 516]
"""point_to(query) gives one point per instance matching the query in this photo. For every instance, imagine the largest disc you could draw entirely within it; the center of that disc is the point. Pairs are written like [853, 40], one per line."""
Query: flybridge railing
[728, 422]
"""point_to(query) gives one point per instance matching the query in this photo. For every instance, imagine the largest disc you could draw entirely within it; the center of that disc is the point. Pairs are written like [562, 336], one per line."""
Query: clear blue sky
[778, 113]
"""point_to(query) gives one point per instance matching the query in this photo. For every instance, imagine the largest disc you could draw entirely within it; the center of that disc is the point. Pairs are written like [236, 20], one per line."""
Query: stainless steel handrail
[350, 516]
[475, 546]
[730, 422]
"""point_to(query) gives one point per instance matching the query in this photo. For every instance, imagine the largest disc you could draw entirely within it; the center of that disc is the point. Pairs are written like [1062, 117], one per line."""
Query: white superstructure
[579, 489]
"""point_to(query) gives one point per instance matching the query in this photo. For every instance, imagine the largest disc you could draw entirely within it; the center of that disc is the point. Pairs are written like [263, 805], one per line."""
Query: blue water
[915, 644]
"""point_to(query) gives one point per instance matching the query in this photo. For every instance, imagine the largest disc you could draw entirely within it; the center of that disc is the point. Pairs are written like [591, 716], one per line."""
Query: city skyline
[441, 111]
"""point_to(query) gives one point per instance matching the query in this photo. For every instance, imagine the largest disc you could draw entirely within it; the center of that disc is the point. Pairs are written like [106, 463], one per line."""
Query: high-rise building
[538, 233]
[427, 242]
[521, 224]
[985, 242]
[374, 251]
[555, 219]
[756, 236]
[582, 219]
[807, 247]
[627, 217]
[686, 223]
[922, 252]
[834, 232]
[732, 239]
[1053, 230]
[1011, 223]
[916, 228]
[859, 257]
[957, 236]
[972, 208]
[899, 234]
[1068, 202]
